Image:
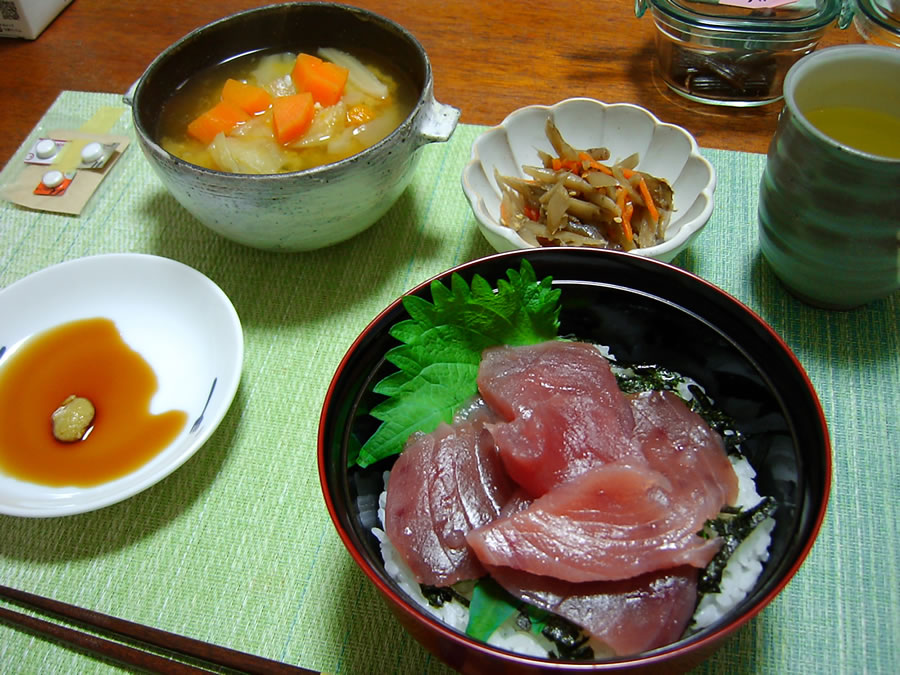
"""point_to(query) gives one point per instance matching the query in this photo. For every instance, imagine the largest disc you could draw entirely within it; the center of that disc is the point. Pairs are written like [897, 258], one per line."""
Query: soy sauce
[88, 358]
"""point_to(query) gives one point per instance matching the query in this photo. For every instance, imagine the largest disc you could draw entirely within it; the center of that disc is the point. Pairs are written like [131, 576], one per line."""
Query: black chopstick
[180, 645]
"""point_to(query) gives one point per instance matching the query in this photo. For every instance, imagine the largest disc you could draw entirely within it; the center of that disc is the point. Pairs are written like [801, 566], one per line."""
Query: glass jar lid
[762, 16]
[886, 13]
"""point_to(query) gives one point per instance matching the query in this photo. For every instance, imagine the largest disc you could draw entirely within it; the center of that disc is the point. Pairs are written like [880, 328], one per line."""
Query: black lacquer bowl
[646, 312]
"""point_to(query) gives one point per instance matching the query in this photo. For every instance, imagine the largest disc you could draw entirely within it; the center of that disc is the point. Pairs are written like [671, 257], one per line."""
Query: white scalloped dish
[182, 325]
[666, 151]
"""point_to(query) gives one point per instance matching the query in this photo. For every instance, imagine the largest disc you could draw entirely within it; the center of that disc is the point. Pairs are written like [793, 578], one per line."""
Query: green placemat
[236, 547]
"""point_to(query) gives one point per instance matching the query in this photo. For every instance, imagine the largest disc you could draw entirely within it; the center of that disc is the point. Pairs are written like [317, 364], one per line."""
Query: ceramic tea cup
[829, 204]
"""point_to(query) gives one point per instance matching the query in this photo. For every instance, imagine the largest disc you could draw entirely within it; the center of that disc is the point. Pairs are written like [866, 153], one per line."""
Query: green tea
[865, 129]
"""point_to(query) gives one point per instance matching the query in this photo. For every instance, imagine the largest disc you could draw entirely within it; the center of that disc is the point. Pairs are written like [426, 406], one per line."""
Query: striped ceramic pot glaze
[829, 214]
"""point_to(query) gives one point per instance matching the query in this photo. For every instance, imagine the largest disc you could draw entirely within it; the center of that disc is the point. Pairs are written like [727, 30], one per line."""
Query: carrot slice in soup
[248, 97]
[292, 116]
[323, 79]
[221, 118]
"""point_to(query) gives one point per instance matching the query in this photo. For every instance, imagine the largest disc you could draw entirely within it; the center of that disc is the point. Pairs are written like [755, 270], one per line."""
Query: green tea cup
[829, 203]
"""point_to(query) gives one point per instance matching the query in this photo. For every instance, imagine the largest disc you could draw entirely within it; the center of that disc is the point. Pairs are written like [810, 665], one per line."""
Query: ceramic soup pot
[308, 209]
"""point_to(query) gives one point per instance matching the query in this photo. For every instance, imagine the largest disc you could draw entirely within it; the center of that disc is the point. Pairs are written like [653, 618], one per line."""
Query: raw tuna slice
[565, 412]
[443, 485]
[561, 438]
[519, 501]
[630, 616]
[615, 521]
[513, 380]
[677, 442]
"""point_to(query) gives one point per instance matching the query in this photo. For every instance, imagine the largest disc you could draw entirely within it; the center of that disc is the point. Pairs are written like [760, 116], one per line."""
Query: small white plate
[178, 320]
[666, 151]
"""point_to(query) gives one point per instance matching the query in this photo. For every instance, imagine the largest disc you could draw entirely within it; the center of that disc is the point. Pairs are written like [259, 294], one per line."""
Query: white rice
[746, 563]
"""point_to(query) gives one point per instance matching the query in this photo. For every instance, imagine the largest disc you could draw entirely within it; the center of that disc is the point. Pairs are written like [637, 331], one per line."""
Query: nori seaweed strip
[715, 418]
[733, 529]
[437, 596]
[571, 642]
[647, 377]
[568, 638]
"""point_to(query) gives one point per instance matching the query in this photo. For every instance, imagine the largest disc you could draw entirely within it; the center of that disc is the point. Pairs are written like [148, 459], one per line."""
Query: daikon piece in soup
[265, 113]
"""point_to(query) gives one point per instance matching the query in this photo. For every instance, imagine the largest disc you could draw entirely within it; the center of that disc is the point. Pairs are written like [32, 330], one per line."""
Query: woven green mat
[236, 547]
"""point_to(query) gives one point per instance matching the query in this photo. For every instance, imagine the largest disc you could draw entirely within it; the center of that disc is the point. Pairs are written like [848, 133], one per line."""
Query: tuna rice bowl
[552, 482]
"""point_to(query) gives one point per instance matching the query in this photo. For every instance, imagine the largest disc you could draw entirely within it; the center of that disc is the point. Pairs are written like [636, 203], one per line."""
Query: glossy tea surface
[864, 129]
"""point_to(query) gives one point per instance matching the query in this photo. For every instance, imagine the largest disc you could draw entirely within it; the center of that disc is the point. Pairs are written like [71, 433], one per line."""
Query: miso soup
[265, 122]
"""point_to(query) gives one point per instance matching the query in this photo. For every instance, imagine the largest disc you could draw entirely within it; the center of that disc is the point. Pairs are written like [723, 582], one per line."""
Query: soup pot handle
[128, 96]
[437, 122]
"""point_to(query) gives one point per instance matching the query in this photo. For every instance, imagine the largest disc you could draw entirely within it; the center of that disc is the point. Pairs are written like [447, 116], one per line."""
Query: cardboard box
[28, 18]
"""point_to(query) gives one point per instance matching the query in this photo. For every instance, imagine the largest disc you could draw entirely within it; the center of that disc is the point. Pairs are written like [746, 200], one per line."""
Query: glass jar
[878, 21]
[735, 52]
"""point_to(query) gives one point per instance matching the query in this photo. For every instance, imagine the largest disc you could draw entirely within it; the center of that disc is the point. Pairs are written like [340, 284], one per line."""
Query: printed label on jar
[753, 4]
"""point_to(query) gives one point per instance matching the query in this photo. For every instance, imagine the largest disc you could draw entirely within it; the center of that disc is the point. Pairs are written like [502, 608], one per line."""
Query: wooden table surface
[489, 57]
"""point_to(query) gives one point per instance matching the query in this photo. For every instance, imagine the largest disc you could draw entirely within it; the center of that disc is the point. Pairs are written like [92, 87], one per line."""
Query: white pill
[91, 152]
[52, 179]
[45, 148]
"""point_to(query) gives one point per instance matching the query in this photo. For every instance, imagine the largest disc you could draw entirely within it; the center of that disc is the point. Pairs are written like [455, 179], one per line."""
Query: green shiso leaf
[441, 346]
[489, 608]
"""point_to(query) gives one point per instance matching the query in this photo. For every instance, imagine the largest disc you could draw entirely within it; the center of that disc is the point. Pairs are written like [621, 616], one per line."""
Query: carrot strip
[572, 165]
[292, 116]
[532, 213]
[590, 161]
[248, 97]
[648, 200]
[626, 208]
[626, 220]
[221, 118]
